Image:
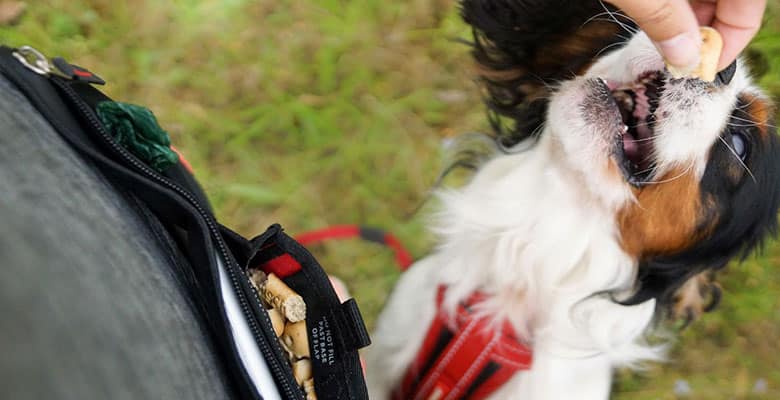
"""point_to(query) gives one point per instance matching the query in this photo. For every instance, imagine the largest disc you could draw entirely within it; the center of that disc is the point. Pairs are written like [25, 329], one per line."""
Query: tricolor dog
[613, 192]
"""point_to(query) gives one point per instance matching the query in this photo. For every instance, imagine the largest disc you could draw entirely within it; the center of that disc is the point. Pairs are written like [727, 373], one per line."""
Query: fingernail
[681, 51]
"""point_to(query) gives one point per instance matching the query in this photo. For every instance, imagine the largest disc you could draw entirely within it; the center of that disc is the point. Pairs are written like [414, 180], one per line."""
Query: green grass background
[321, 112]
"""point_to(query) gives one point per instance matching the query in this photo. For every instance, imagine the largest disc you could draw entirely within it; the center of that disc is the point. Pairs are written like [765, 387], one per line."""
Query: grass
[313, 113]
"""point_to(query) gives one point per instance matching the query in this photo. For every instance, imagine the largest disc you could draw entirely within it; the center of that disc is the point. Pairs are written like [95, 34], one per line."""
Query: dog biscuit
[302, 370]
[276, 293]
[257, 278]
[711, 47]
[277, 320]
[297, 339]
[308, 387]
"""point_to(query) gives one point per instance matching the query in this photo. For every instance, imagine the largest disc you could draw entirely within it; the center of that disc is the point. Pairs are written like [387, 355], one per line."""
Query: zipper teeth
[209, 221]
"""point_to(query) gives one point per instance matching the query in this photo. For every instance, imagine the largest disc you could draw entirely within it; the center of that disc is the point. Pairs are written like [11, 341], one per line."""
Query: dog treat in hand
[711, 47]
[276, 293]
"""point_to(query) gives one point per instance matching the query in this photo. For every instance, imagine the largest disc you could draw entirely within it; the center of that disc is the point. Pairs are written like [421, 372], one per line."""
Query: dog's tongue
[630, 147]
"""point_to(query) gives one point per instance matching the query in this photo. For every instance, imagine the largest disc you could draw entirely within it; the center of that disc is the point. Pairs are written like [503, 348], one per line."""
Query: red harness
[463, 357]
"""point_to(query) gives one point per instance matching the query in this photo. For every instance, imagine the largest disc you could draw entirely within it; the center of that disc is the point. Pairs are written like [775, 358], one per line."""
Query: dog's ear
[699, 294]
[524, 48]
[681, 295]
[682, 291]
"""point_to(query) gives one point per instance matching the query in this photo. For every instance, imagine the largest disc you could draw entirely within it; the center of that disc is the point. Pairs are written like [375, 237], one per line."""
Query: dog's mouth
[637, 102]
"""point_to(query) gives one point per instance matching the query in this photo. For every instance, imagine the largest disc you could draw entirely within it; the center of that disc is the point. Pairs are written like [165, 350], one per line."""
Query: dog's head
[690, 167]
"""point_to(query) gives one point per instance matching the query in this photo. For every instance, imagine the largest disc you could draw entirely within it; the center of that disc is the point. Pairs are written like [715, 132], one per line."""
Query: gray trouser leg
[90, 307]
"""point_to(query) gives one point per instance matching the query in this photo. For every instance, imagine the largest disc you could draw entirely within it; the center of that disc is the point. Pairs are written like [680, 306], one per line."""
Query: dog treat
[257, 278]
[288, 351]
[302, 370]
[277, 320]
[295, 336]
[278, 295]
[711, 47]
[308, 388]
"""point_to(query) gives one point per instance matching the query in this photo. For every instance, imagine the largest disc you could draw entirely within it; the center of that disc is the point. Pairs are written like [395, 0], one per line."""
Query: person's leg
[90, 304]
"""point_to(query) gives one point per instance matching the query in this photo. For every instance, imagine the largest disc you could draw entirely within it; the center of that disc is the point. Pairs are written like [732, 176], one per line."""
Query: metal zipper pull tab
[35, 61]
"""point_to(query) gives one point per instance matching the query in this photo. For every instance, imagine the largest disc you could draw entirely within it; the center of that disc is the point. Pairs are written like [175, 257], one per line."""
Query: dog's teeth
[624, 129]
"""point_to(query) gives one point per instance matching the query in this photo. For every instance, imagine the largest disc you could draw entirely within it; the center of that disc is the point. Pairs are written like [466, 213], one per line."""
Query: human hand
[673, 25]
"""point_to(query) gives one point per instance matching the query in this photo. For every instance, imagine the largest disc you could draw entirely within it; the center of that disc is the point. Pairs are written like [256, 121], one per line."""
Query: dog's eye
[739, 145]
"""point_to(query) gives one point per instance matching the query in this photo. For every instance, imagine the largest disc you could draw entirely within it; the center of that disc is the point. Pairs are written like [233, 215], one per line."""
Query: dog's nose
[724, 77]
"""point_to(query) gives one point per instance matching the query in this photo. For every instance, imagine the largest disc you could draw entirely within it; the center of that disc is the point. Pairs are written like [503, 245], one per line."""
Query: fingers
[704, 11]
[670, 24]
[737, 21]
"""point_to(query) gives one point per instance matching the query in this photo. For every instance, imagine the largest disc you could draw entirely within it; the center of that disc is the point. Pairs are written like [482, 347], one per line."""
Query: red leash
[402, 256]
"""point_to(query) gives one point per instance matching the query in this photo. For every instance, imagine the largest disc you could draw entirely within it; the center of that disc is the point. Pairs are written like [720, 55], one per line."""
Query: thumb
[670, 24]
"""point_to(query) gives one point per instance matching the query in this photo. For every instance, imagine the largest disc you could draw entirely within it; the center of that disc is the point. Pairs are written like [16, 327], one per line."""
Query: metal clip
[33, 59]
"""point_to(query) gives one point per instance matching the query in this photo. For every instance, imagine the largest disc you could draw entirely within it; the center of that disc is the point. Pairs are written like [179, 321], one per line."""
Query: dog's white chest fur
[527, 233]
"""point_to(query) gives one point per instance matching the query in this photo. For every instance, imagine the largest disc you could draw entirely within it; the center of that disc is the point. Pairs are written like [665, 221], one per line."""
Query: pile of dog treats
[288, 316]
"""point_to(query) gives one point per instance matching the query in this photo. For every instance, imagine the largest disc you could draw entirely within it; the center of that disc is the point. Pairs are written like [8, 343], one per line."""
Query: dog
[614, 193]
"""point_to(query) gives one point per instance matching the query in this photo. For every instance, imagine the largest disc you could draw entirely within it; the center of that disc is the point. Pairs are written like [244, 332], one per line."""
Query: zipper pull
[35, 61]
[75, 72]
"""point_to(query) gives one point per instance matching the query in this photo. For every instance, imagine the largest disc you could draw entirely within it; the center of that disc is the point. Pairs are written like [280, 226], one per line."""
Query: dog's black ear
[681, 290]
[523, 48]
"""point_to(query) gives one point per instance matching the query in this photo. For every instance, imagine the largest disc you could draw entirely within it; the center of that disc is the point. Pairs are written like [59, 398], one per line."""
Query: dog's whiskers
[740, 125]
[609, 46]
[754, 123]
[672, 179]
[612, 14]
[738, 159]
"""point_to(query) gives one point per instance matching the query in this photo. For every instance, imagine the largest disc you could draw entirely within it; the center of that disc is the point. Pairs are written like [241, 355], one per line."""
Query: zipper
[271, 356]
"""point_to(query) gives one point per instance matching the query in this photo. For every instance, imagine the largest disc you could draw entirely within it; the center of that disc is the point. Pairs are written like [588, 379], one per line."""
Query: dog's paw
[699, 294]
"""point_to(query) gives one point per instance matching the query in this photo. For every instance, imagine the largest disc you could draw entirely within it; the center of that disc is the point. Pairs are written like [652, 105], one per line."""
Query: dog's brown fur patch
[760, 112]
[666, 217]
